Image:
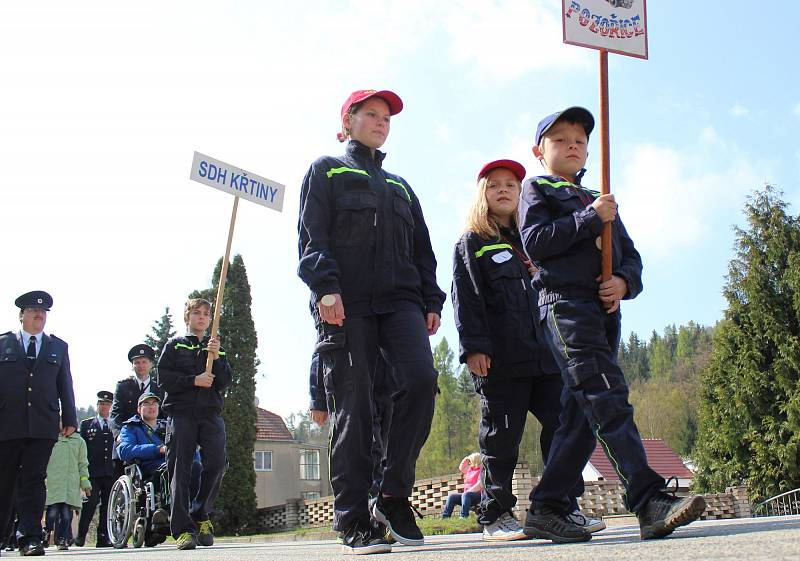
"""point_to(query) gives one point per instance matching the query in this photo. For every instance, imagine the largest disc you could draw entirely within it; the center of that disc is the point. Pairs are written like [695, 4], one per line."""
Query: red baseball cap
[514, 167]
[392, 100]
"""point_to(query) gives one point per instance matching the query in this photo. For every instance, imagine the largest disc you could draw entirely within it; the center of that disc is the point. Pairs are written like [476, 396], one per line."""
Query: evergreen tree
[237, 498]
[750, 394]
[161, 333]
[454, 430]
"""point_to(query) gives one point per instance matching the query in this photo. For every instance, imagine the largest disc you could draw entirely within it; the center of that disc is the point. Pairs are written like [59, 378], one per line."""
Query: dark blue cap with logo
[35, 299]
[105, 395]
[148, 395]
[570, 114]
[141, 350]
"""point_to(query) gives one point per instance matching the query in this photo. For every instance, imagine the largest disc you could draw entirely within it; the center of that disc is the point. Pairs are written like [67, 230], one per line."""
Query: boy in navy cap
[561, 222]
[35, 379]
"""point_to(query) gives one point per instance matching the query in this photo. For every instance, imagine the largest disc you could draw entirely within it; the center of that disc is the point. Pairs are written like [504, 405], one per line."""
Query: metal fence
[780, 505]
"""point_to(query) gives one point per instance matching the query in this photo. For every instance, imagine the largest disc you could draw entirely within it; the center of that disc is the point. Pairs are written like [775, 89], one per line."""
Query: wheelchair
[133, 500]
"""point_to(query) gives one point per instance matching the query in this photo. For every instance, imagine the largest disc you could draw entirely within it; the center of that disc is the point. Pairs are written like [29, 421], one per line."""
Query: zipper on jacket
[375, 221]
[350, 358]
[523, 284]
[608, 386]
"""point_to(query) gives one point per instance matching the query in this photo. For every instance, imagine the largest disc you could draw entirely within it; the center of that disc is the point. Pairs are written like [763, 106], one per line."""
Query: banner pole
[605, 162]
[222, 277]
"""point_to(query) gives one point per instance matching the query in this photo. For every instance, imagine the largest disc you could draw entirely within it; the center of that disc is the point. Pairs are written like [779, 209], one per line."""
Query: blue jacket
[137, 441]
[30, 399]
[560, 231]
[496, 308]
[362, 235]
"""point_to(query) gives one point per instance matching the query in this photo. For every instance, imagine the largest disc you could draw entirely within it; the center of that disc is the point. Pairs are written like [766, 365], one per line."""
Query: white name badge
[501, 257]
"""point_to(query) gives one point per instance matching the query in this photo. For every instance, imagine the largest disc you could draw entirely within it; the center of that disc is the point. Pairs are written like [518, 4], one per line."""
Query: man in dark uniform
[35, 381]
[96, 431]
[126, 396]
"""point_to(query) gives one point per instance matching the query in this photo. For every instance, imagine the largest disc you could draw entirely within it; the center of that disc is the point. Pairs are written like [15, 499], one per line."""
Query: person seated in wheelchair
[141, 441]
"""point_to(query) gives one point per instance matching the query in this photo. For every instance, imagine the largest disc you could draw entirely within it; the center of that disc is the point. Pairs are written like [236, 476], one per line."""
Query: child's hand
[479, 364]
[319, 417]
[333, 314]
[432, 322]
[611, 292]
[204, 380]
[606, 207]
[213, 347]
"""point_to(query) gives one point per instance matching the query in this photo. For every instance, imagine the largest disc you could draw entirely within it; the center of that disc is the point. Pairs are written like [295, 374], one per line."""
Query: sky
[102, 105]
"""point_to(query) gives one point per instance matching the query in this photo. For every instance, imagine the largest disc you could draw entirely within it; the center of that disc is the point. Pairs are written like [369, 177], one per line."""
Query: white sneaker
[591, 524]
[506, 529]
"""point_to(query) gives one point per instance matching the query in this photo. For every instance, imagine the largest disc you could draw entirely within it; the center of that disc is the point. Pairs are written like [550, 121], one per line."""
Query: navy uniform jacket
[126, 398]
[30, 400]
[99, 444]
[560, 231]
[496, 309]
[184, 358]
[362, 235]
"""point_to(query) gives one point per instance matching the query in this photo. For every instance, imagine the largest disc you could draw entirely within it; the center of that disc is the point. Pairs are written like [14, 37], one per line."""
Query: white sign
[616, 26]
[236, 181]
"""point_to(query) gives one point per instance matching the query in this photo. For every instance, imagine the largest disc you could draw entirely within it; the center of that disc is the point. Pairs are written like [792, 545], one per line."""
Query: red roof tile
[270, 426]
[661, 458]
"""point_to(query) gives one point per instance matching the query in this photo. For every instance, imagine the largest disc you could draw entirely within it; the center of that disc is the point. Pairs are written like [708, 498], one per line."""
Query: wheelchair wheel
[139, 531]
[121, 512]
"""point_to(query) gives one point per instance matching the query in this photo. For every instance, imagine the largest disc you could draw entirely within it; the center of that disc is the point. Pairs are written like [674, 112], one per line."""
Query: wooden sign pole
[223, 275]
[605, 163]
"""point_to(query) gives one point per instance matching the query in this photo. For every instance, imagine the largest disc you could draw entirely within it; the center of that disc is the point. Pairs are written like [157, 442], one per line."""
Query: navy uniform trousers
[584, 340]
[23, 465]
[186, 430]
[349, 358]
[505, 404]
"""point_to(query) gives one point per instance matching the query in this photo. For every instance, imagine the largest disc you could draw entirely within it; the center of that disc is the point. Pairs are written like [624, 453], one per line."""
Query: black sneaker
[550, 524]
[397, 514]
[664, 512]
[362, 538]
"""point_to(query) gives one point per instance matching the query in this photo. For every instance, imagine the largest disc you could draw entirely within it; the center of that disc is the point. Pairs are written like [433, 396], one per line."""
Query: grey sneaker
[547, 523]
[591, 524]
[504, 529]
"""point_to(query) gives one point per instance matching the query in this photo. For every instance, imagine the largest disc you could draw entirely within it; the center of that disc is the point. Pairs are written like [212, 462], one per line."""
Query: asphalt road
[752, 539]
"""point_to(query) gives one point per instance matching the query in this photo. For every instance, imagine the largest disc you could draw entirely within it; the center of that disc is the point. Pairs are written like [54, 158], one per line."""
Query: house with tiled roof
[664, 461]
[285, 468]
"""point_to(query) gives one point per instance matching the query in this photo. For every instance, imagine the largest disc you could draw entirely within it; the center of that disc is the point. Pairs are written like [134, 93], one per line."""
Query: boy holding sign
[560, 223]
[193, 401]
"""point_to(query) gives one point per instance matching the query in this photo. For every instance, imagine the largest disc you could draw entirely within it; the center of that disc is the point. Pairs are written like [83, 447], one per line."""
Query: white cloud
[739, 110]
[677, 199]
[507, 39]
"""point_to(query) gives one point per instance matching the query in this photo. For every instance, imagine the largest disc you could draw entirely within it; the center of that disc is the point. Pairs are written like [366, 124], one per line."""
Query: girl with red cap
[496, 312]
[366, 255]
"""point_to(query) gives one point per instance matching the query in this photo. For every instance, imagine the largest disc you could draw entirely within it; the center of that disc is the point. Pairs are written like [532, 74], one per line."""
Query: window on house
[263, 460]
[310, 495]
[309, 464]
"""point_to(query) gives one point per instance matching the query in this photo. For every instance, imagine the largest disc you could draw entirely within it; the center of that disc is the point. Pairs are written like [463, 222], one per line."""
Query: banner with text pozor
[617, 26]
[236, 181]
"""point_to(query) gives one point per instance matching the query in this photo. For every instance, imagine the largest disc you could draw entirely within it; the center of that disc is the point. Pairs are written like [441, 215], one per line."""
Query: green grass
[456, 525]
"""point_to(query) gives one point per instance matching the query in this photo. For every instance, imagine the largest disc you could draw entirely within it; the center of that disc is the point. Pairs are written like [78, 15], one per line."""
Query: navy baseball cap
[105, 395]
[571, 114]
[148, 395]
[35, 299]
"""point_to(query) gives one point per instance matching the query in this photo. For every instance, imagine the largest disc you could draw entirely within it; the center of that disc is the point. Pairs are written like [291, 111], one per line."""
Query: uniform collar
[361, 152]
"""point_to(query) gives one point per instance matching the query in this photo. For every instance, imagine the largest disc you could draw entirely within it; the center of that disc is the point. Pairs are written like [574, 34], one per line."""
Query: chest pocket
[8, 355]
[354, 224]
[508, 285]
[403, 225]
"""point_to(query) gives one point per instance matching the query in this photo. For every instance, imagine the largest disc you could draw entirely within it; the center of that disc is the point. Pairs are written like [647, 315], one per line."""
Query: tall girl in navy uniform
[366, 255]
[496, 312]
